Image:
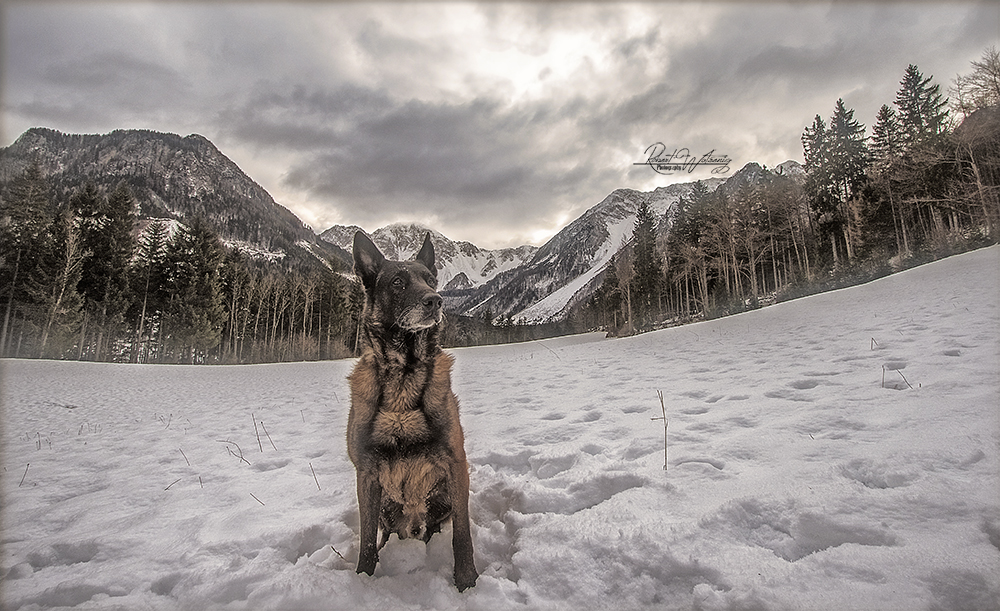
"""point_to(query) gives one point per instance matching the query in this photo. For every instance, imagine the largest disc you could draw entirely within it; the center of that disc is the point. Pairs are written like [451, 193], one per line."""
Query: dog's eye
[398, 283]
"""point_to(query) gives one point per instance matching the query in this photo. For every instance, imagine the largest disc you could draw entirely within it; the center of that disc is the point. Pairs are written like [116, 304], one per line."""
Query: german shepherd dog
[403, 432]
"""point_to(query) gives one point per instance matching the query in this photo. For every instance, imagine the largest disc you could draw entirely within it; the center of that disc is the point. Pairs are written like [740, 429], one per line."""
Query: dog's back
[404, 435]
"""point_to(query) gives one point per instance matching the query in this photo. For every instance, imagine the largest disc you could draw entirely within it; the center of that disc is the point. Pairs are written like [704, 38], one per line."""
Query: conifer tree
[106, 231]
[922, 113]
[53, 286]
[149, 284]
[607, 299]
[886, 138]
[195, 313]
[647, 265]
[24, 219]
[819, 179]
[848, 152]
[836, 161]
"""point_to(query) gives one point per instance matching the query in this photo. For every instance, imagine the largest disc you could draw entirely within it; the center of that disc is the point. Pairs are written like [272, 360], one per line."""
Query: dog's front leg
[369, 502]
[465, 567]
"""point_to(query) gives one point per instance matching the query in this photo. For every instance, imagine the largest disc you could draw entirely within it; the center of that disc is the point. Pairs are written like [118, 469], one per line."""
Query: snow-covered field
[796, 478]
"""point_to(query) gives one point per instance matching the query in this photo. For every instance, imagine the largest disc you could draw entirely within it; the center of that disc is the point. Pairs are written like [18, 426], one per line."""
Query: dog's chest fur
[400, 419]
[404, 396]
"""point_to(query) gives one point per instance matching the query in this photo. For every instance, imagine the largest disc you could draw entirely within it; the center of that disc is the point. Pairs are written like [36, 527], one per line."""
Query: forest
[923, 184]
[80, 284]
[82, 277]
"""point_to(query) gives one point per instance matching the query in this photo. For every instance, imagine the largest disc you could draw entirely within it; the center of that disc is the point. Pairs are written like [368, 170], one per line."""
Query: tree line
[925, 183]
[80, 282]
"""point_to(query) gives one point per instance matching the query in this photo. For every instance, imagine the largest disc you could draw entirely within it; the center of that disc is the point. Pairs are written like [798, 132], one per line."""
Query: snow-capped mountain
[561, 272]
[543, 284]
[461, 265]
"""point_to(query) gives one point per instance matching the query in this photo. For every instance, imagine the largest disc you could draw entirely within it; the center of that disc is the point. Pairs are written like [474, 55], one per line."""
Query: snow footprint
[789, 533]
[580, 495]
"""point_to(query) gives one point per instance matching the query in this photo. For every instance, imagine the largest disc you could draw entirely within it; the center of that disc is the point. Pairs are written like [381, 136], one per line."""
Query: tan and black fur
[403, 432]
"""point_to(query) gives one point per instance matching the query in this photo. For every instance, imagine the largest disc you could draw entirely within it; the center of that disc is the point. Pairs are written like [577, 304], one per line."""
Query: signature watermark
[666, 162]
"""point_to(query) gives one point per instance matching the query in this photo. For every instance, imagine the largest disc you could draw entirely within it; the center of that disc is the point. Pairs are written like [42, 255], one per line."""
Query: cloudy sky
[493, 123]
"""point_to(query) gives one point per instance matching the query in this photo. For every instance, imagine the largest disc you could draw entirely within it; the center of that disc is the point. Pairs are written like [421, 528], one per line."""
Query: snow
[402, 241]
[555, 303]
[796, 478]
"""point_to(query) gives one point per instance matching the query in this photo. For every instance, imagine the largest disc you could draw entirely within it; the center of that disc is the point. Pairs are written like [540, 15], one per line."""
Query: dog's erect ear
[426, 255]
[368, 259]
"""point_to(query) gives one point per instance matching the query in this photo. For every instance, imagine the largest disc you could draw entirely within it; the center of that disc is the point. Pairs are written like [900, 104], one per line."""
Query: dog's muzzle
[427, 313]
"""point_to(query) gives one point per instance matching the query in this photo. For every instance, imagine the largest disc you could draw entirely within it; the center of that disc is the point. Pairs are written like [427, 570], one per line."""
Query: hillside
[171, 177]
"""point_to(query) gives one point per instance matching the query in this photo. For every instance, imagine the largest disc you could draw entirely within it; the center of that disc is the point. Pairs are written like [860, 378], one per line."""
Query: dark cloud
[461, 161]
[496, 120]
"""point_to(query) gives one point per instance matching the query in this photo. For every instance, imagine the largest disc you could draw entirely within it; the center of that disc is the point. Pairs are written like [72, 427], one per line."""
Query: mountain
[564, 268]
[171, 177]
[176, 178]
[540, 285]
[569, 267]
[461, 265]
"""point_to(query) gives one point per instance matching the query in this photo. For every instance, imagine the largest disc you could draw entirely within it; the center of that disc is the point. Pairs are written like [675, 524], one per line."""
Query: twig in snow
[25, 474]
[268, 435]
[240, 455]
[314, 476]
[173, 482]
[904, 378]
[256, 499]
[257, 432]
[547, 348]
[201, 482]
[185, 456]
[874, 343]
[663, 408]
[338, 553]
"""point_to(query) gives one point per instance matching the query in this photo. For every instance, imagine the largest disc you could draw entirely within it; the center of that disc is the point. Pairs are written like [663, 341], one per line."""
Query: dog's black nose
[432, 301]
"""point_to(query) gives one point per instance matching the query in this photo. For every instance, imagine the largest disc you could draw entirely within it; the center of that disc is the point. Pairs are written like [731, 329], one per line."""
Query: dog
[403, 432]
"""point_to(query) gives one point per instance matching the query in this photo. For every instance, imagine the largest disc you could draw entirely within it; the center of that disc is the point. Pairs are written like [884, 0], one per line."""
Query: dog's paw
[366, 565]
[465, 579]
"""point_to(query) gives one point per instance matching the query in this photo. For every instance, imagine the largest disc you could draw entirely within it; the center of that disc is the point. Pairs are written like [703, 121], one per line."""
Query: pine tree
[819, 180]
[607, 299]
[836, 160]
[849, 154]
[195, 313]
[887, 137]
[149, 280]
[922, 113]
[647, 265]
[886, 149]
[53, 286]
[106, 226]
[24, 218]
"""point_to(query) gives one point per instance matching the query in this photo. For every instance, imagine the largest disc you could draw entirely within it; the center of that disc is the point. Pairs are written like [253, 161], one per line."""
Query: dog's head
[400, 293]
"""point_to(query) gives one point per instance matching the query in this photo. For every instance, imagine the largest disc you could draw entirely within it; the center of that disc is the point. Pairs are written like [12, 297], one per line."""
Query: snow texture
[796, 478]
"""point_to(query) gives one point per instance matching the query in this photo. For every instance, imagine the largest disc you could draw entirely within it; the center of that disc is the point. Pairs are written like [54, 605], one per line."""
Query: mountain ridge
[178, 177]
[170, 177]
